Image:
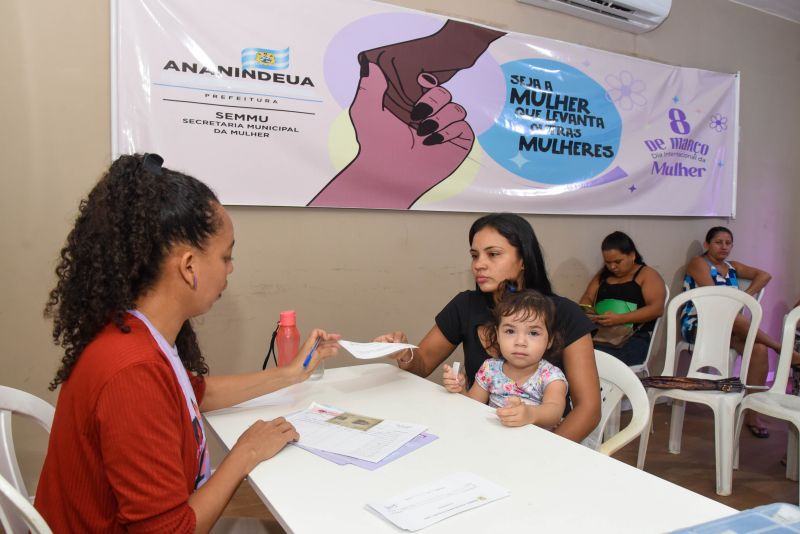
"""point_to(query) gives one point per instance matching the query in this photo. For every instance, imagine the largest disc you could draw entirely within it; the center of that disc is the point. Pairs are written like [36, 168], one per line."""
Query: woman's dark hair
[712, 233]
[526, 305]
[520, 234]
[622, 242]
[114, 253]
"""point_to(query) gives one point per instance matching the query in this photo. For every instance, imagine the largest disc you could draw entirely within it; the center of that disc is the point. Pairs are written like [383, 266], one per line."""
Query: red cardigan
[122, 452]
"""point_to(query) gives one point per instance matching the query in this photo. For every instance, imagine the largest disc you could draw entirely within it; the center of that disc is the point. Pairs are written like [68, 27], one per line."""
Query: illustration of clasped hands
[410, 133]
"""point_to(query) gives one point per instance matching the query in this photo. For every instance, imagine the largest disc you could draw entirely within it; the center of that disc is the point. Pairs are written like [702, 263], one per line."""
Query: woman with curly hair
[151, 249]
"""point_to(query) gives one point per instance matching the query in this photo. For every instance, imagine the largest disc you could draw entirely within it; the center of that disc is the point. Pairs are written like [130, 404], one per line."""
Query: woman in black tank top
[625, 292]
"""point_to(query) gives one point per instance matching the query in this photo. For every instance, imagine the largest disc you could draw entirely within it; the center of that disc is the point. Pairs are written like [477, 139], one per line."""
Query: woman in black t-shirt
[625, 292]
[504, 248]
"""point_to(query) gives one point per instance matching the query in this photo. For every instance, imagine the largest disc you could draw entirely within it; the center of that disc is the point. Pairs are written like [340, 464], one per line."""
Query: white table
[556, 485]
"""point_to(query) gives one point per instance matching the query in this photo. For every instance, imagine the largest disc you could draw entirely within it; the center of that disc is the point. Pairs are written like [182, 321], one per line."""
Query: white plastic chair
[685, 346]
[776, 402]
[14, 401]
[717, 308]
[642, 369]
[618, 381]
[17, 514]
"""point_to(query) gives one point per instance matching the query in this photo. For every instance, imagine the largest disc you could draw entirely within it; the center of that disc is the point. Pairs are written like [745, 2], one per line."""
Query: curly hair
[114, 253]
[526, 305]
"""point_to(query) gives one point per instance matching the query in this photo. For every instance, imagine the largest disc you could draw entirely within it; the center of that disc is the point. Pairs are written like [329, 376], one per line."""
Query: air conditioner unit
[636, 16]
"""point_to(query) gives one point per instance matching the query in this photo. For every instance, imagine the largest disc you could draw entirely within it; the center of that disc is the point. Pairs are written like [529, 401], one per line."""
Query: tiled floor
[759, 480]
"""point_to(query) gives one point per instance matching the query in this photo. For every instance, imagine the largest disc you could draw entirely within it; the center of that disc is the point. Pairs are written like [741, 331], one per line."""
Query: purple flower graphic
[718, 122]
[626, 91]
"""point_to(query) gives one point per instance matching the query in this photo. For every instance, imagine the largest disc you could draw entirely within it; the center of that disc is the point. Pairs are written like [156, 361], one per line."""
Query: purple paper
[419, 441]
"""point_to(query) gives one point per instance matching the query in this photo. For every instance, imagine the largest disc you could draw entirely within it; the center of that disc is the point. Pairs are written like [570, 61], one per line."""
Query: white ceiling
[785, 9]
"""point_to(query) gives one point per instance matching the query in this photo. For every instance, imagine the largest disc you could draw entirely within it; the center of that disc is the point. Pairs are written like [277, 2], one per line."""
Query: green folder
[615, 306]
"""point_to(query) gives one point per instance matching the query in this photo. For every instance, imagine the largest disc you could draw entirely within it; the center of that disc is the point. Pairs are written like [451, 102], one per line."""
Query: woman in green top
[625, 292]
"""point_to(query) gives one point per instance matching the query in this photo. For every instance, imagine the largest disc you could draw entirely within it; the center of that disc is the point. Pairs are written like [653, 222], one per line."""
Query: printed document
[368, 351]
[425, 505]
[420, 441]
[366, 438]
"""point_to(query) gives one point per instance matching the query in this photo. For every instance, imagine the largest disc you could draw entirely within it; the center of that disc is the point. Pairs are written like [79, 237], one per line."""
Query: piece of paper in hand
[456, 369]
[375, 349]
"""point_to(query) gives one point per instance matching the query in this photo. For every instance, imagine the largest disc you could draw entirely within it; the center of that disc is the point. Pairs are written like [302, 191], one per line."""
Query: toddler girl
[523, 386]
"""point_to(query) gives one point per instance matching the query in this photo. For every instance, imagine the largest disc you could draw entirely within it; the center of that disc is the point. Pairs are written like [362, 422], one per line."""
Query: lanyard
[170, 353]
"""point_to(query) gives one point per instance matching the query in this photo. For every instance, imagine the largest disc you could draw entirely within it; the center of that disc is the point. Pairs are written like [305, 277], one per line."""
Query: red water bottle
[287, 340]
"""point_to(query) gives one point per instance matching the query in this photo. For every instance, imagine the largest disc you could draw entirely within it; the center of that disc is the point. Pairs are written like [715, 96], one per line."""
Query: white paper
[368, 351]
[425, 505]
[372, 445]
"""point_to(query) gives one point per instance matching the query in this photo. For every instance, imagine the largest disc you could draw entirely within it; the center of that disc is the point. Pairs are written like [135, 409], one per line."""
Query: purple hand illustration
[397, 162]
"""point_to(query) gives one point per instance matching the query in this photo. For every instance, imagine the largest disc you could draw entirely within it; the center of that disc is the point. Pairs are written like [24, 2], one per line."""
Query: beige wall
[364, 272]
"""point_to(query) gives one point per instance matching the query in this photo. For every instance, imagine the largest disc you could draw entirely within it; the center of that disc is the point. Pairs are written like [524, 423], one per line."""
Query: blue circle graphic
[557, 127]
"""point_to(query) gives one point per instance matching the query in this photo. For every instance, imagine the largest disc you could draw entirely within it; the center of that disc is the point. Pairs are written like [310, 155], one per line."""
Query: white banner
[351, 103]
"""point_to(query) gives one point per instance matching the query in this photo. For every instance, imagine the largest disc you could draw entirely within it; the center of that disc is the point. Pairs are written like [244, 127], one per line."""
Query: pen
[308, 358]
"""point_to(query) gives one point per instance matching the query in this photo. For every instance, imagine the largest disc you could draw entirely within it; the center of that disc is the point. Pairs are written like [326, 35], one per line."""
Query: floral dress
[500, 387]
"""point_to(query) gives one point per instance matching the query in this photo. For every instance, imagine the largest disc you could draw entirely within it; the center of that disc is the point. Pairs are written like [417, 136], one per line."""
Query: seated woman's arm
[433, 350]
[584, 389]
[591, 291]
[226, 391]
[263, 440]
[758, 278]
[699, 270]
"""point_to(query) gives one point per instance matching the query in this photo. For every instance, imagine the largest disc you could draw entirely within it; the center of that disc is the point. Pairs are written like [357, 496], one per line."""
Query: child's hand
[514, 413]
[453, 385]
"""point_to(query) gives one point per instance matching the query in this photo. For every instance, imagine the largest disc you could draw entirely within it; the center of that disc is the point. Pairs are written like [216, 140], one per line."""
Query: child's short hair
[526, 304]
